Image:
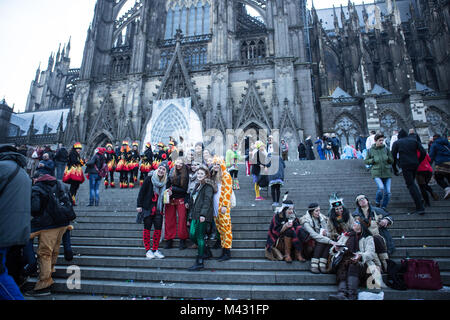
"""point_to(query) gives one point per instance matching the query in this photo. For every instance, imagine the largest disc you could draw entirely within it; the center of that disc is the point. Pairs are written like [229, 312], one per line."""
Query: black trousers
[111, 177]
[442, 179]
[74, 188]
[154, 220]
[423, 178]
[409, 175]
[276, 191]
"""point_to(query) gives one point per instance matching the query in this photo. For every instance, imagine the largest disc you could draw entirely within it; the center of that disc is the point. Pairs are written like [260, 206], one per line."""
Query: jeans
[384, 188]
[8, 287]
[94, 187]
[60, 167]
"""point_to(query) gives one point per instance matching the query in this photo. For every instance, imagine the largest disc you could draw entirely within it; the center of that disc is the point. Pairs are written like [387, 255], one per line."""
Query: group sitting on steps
[354, 246]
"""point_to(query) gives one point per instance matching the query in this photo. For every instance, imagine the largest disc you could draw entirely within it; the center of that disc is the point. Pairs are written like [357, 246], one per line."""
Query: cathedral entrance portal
[173, 118]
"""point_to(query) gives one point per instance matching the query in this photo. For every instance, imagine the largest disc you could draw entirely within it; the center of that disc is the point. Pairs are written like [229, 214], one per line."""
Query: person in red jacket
[423, 177]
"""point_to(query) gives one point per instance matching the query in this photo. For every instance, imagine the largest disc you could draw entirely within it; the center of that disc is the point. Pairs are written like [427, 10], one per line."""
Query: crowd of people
[191, 192]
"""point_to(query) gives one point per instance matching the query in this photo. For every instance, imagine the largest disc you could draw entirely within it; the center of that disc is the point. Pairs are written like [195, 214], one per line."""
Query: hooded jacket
[440, 151]
[15, 204]
[406, 149]
[39, 199]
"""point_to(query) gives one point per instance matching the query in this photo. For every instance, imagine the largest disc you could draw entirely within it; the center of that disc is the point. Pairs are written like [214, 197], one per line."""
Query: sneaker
[447, 193]
[158, 254]
[275, 204]
[38, 293]
[150, 254]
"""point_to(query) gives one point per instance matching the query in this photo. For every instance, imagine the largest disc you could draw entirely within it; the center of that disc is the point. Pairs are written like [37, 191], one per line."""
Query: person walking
[93, 167]
[146, 164]
[133, 165]
[440, 154]
[61, 159]
[177, 186]
[423, 177]
[276, 167]
[111, 161]
[394, 138]
[301, 151]
[380, 159]
[370, 139]
[336, 145]
[361, 143]
[150, 208]
[46, 165]
[15, 209]
[284, 148]
[122, 165]
[320, 150]
[309, 149]
[404, 152]
[73, 174]
[49, 224]
[200, 215]
[232, 157]
[259, 160]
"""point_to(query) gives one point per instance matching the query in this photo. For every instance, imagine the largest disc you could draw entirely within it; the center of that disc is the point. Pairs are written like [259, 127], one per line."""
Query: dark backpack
[60, 205]
[395, 275]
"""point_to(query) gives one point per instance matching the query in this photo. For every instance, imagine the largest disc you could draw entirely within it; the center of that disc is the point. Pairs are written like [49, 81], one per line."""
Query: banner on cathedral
[174, 118]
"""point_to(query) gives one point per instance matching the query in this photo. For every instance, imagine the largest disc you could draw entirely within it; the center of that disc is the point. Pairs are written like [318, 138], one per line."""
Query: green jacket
[381, 160]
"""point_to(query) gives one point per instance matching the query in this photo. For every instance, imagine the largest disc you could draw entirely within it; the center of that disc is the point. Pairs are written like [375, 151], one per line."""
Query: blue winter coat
[440, 151]
[277, 177]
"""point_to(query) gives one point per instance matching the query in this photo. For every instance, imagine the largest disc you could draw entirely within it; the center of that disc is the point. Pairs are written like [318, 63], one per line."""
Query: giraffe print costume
[223, 220]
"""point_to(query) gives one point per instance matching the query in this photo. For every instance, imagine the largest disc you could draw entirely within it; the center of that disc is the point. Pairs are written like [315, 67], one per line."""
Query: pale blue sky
[32, 29]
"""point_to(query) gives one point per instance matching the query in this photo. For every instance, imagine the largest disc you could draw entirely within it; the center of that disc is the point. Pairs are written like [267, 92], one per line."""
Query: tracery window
[192, 18]
[253, 51]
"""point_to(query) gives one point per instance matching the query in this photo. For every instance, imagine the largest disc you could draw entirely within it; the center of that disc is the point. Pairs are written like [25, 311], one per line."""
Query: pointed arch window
[169, 24]
[253, 51]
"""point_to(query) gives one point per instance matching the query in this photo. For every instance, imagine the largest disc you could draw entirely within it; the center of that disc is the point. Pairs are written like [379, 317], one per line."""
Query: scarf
[159, 187]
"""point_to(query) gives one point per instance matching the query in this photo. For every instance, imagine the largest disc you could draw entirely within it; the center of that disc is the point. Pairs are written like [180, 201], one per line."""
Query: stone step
[249, 226]
[238, 253]
[240, 217]
[168, 276]
[434, 232]
[211, 264]
[137, 242]
[237, 291]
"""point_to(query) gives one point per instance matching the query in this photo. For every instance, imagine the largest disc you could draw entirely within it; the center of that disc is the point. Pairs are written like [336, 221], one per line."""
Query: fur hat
[77, 145]
[125, 143]
[135, 144]
[109, 145]
[336, 201]
[148, 144]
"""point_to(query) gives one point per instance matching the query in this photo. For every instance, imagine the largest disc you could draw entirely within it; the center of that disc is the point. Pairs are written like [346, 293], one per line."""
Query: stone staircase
[108, 243]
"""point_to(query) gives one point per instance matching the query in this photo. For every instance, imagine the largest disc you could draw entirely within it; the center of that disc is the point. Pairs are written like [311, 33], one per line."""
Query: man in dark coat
[301, 151]
[61, 159]
[50, 233]
[404, 151]
[309, 149]
[361, 143]
[46, 165]
[15, 208]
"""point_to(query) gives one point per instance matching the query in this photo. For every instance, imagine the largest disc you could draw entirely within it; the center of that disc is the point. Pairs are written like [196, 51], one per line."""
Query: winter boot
[323, 265]
[182, 245]
[217, 244]
[198, 264]
[207, 254]
[113, 185]
[96, 203]
[287, 249]
[106, 184]
[352, 287]
[169, 244]
[315, 265]
[299, 257]
[91, 203]
[226, 255]
[342, 292]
